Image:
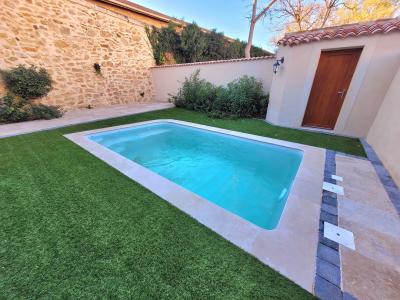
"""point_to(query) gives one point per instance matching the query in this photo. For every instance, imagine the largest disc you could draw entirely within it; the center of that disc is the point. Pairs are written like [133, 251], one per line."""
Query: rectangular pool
[249, 178]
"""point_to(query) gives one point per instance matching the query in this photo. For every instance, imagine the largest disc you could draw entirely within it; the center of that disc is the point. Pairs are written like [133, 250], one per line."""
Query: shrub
[12, 109]
[242, 98]
[24, 85]
[27, 83]
[46, 112]
[195, 94]
[247, 97]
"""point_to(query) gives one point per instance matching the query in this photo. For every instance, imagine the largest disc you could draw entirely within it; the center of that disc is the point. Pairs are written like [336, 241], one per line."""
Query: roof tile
[341, 32]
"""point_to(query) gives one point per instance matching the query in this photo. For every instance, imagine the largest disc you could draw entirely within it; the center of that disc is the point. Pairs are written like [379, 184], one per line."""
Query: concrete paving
[372, 271]
[81, 116]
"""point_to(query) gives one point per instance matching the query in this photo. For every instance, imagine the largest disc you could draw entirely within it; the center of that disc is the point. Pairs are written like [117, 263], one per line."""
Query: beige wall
[384, 135]
[168, 79]
[376, 68]
[67, 37]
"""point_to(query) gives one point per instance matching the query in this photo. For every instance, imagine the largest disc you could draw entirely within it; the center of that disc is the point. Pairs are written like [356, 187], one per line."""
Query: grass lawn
[73, 227]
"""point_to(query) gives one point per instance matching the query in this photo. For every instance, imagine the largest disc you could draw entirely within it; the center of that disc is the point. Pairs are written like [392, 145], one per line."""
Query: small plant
[97, 68]
[195, 94]
[24, 85]
[241, 98]
[27, 83]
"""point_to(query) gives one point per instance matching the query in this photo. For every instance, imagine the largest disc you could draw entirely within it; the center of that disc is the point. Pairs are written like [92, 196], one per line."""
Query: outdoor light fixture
[277, 64]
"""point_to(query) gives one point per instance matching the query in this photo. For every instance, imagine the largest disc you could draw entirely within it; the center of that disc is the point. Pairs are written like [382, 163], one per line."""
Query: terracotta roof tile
[217, 61]
[340, 32]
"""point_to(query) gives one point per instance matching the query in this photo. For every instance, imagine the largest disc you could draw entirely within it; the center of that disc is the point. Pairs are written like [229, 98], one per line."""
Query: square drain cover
[339, 235]
[330, 187]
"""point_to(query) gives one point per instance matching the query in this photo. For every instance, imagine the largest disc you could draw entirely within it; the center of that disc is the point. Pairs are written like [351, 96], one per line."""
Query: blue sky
[228, 16]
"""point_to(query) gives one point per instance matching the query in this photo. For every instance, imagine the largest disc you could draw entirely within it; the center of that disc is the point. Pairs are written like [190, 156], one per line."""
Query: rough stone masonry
[67, 37]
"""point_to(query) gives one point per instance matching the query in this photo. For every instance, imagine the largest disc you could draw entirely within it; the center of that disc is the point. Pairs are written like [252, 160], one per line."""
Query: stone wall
[67, 37]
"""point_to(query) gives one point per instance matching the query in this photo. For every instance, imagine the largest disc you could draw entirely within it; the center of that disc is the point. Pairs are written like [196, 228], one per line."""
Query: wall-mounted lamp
[277, 64]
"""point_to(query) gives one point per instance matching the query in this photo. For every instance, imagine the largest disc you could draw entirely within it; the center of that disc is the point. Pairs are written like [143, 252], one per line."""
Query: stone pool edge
[290, 249]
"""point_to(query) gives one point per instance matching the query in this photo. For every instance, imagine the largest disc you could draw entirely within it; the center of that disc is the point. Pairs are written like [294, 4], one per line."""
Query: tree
[216, 46]
[300, 15]
[193, 43]
[256, 15]
[366, 10]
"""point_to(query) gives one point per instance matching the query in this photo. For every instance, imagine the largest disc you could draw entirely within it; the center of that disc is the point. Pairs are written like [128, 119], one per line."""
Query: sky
[227, 16]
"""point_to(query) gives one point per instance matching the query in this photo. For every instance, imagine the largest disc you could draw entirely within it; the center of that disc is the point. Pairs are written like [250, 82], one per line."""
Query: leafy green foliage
[13, 109]
[163, 41]
[27, 83]
[46, 112]
[216, 46]
[195, 94]
[242, 98]
[247, 97]
[24, 85]
[192, 44]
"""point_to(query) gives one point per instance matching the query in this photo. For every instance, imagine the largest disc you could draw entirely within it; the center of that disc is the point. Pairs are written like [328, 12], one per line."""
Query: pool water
[249, 178]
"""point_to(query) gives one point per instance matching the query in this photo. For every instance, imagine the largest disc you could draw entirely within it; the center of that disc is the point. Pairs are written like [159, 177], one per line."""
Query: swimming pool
[249, 178]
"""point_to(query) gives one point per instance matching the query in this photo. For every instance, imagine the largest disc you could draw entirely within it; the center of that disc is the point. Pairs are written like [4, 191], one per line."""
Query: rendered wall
[168, 79]
[384, 135]
[67, 37]
[376, 68]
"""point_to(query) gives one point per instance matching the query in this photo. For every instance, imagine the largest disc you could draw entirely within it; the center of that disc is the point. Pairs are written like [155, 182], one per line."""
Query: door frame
[354, 83]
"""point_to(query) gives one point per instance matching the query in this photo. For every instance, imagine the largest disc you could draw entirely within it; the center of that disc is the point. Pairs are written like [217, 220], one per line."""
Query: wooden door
[331, 82]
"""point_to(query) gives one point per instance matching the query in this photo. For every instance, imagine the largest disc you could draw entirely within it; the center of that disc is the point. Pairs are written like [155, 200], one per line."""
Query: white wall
[384, 135]
[168, 79]
[376, 68]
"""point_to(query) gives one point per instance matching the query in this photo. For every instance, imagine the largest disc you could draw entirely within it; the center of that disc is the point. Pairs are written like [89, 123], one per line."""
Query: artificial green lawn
[73, 227]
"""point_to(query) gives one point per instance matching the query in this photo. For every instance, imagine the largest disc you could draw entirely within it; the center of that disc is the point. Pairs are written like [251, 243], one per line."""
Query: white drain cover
[337, 178]
[339, 235]
[330, 187]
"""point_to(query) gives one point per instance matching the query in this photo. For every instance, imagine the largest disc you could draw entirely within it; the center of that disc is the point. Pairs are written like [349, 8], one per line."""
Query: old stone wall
[67, 37]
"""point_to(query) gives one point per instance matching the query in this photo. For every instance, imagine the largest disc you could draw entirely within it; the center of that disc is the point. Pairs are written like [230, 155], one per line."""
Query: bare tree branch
[256, 16]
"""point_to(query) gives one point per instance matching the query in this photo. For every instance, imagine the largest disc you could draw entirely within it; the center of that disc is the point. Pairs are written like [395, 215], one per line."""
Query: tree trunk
[249, 40]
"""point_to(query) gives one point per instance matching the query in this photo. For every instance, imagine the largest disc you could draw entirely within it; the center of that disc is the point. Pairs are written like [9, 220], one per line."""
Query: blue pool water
[248, 178]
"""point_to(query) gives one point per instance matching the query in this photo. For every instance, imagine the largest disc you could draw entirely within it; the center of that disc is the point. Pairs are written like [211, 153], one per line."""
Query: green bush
[46, 112]
[12, 109]
[192, 44]
[27, 83]
[247, 97]
[241, 98]
[195, 94]
[24, 85]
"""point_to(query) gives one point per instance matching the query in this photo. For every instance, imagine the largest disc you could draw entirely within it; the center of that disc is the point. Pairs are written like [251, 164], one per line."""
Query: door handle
[341, 93]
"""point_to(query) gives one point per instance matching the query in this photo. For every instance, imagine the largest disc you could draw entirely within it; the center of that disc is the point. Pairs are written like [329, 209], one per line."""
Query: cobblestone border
[328, 273]
[390, 186]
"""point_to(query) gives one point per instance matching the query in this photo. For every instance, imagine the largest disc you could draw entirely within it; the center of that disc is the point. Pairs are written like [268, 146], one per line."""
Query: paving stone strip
[384, 176]
[328, 274]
